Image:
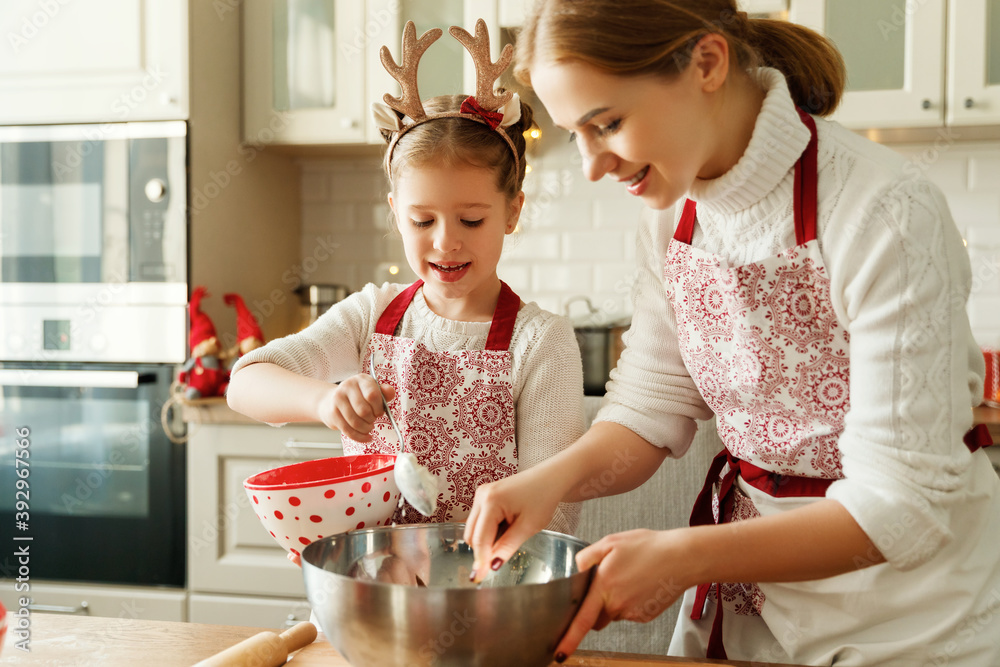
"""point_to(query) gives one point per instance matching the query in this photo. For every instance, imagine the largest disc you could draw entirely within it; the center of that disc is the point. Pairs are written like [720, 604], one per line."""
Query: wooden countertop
[61, 641]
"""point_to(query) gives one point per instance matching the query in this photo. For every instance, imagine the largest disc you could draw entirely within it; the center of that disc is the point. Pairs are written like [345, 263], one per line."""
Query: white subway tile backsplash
[603, 245]
[563, 278]
[315, 186]
[617, 212]
[615, 278]
[985, 272]
[324, 217]
[974, 209]
[528, 245]
[986, 314]
[984, 173]
[352, 186]
[982, 236]
[516, 275]
[578, 237]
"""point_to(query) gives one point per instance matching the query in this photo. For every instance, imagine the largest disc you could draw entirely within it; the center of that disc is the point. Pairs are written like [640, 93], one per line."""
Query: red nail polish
[495, 565]
[472, 576]
[560, 658]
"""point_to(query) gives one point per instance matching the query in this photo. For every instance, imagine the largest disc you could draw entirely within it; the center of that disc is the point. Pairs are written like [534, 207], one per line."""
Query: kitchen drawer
[154, 604]
[273, 613]
[229, 551]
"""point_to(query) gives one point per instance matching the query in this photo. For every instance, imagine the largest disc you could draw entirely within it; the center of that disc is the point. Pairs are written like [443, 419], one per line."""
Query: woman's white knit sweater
[900, 277]
[547, 373]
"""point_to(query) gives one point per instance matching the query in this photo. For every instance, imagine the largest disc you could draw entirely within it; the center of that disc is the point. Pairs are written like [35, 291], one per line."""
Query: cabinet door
[276, 614]
[93, 62]
[151, 604]
[894, 50]
[304, 71]
[229, 551]
[445, 68]
[974, 62]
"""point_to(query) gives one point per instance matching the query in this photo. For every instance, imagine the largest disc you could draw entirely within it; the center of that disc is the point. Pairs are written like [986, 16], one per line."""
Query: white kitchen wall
[577, 237]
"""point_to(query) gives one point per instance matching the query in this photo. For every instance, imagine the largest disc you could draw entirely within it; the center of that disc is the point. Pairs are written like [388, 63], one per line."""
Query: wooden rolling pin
[265, 649]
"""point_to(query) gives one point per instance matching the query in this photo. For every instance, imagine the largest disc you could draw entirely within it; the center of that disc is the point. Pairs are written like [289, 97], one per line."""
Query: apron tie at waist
[775, 485]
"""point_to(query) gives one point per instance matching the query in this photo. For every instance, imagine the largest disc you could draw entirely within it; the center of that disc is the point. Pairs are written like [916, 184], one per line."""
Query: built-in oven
[106, 484]
[93, 321]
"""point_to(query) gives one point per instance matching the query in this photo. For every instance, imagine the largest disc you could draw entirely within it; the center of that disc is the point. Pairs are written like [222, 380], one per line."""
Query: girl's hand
[635, 580]
[295, 558]
[525, 501]
[352, 406]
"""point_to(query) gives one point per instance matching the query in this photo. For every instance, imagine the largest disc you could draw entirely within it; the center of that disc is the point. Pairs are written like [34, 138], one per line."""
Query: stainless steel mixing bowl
[401, 596]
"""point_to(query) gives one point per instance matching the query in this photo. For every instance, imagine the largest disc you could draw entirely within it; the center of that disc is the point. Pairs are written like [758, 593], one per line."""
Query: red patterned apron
[763, 344]
[455, 409]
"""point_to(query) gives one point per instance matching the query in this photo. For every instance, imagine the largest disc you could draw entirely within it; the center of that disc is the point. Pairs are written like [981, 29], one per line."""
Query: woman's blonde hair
[452, 141]
[640, 37]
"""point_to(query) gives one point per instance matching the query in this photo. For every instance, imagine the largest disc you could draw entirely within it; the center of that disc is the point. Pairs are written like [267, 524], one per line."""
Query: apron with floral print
[764, 346]
[455, 409]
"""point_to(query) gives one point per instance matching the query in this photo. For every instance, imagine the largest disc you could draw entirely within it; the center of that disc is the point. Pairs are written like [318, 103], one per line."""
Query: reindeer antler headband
[486, 106]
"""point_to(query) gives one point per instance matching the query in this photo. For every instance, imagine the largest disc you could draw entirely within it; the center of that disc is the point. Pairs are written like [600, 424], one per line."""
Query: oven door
[106, 485]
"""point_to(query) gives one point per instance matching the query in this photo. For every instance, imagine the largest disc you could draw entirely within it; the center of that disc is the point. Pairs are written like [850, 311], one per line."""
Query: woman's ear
[710, 60]
[516, 204]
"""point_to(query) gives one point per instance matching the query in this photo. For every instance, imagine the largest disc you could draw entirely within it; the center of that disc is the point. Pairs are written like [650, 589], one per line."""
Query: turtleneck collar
[778, 139]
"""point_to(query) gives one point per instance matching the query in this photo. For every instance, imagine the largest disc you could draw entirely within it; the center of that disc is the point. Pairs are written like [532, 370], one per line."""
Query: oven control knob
[156, 190]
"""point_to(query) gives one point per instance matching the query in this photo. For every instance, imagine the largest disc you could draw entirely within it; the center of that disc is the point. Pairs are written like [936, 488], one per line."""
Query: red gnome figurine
[203, 372]
[248, 333]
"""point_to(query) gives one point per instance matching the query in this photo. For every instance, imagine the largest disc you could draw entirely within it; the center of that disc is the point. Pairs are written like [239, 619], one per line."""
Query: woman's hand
[636, 580]
[352, 406]
[525, 501]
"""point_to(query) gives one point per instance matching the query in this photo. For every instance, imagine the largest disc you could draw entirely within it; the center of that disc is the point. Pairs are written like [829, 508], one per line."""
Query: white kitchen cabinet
[93, 62]
[255, 612]
[312, 67]
[104, 600]
[229, 551]
[913, 64]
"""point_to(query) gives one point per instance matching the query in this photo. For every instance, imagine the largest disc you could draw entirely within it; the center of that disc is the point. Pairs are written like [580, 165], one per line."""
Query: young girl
[481, 384]
[801, 285]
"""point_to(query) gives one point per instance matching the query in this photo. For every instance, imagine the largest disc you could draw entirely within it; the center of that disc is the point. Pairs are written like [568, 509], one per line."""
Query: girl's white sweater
[547, 373]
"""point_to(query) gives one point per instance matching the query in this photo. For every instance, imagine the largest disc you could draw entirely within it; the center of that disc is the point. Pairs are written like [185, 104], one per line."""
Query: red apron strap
[502, 328]
[685, 226]
[978, 437]
[806, 183]
[388, 322]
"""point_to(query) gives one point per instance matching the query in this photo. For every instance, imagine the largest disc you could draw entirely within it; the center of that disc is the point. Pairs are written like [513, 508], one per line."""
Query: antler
[487, 71]
[406, 73]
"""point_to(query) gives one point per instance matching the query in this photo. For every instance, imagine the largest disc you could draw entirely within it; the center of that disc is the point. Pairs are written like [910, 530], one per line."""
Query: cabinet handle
[82, 610]
[969, 103]
[926, 104]
[292, 621]
[292, 443]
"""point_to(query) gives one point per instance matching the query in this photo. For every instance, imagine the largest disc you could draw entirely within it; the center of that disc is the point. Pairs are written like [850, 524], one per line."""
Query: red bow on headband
[471, 106]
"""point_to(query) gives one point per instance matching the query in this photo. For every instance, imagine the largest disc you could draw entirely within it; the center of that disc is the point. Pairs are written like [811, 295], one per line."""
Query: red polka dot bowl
[302, 502]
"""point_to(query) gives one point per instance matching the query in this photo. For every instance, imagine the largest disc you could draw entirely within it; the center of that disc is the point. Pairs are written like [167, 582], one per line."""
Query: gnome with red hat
[203, 372]
[248, 333]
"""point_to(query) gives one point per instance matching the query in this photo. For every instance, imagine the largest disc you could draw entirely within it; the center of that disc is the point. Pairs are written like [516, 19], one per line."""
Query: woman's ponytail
[636, 37]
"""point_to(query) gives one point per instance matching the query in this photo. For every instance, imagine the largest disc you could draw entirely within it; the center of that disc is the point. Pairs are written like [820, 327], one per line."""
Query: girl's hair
[455, 141]
[641, 37]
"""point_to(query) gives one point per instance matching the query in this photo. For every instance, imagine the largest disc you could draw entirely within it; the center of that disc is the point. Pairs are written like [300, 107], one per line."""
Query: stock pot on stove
[600, 340]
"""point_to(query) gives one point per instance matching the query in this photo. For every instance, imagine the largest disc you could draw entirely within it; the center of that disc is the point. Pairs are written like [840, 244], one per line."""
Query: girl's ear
[710, 61]
[516, 204]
